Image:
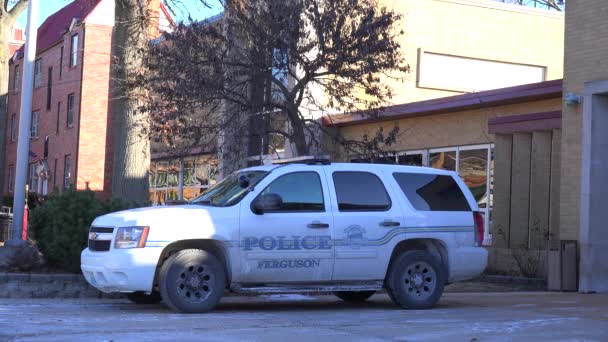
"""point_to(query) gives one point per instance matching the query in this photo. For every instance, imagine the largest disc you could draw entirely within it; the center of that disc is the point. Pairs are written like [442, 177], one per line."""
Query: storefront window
[411, 159]
[189, 176]
[197, 174]
[445, 160]
[473, 168]
[173, 175]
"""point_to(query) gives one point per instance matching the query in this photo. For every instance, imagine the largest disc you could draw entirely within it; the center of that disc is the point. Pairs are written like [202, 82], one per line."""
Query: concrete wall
[525, 197]
[593, 236]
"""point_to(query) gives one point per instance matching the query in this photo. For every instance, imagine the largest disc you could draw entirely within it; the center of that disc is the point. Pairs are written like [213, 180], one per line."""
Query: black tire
[192, 281]
[141, 297]
[354, 296]
[416, 280]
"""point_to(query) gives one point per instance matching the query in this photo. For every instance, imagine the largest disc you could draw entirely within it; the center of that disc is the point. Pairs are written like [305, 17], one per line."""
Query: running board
[305, 288]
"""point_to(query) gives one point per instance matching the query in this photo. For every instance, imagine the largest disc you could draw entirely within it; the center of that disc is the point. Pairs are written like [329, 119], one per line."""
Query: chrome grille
[100, 238]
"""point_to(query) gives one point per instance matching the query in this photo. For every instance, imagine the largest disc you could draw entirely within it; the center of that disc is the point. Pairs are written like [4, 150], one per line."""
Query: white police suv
[306, 226]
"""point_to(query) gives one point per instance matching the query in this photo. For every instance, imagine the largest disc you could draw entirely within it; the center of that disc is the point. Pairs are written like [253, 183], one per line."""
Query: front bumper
[117, 270]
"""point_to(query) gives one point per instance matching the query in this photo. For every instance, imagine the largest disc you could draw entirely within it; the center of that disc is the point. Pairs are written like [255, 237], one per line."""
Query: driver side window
[300, 191]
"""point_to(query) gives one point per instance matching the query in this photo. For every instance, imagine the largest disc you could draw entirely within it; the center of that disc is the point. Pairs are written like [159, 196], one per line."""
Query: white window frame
[74, 50]
[11, 180]
[69, 118]
[33, 177]
[16, 77]
[35, 125]
[67, 170]
[14, 127]
[38, 73]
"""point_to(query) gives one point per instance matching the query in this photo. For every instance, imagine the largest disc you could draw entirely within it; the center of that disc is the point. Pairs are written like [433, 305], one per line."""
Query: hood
[170, 216]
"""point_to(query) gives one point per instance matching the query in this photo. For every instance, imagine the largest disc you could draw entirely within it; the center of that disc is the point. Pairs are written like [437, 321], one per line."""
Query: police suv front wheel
[192, 281]
[416, 280]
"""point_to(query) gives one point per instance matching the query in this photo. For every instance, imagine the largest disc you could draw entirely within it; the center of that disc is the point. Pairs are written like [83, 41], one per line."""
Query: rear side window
[360, 191]
[428, 192]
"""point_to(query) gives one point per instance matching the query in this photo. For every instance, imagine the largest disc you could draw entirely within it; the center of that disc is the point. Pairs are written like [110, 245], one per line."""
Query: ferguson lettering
[289, 263]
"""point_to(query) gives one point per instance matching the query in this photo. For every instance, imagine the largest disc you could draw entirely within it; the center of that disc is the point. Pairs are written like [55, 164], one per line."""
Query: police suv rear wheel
[192, 281]
[354, 296]
[416, 280]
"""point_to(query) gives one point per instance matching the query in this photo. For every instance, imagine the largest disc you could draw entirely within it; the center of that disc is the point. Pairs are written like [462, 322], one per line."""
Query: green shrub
[61, 224]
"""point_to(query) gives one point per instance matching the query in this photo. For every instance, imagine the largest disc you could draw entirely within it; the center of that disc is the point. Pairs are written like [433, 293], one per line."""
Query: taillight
[479, 228]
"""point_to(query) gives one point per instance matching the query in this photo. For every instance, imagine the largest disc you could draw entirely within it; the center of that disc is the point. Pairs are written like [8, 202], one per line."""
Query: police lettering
[283, 243]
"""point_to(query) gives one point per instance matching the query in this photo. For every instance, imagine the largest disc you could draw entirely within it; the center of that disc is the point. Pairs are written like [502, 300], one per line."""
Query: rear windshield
[428, 192]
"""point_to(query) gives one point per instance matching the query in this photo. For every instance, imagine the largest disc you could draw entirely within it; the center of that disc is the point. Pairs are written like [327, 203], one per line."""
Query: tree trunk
[130, 123]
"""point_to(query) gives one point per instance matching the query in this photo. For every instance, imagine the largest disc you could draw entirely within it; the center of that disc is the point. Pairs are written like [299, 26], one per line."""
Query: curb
[499, 279]
[47, 285]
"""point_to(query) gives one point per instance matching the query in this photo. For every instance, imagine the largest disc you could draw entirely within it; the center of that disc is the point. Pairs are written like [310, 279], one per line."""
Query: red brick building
[17, 39]
[70, 141]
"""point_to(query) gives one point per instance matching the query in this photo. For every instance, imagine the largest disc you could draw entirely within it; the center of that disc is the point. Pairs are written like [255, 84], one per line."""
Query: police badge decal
[355, 236]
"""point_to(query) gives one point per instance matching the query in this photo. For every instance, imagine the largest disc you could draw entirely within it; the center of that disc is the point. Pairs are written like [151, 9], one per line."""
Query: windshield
[230, 190]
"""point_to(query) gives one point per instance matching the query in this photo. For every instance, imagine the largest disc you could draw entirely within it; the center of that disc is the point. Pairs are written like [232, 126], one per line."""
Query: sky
[191, 7]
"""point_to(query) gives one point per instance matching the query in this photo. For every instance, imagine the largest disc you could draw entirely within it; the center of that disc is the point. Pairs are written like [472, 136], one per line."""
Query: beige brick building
[484, 98]
[584, 167]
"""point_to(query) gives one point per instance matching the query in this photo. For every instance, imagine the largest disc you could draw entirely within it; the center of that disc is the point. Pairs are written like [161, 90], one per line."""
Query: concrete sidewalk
[507, 316]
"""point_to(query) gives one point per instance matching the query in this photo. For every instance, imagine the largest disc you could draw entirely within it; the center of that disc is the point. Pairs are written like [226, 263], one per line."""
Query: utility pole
[25, 119]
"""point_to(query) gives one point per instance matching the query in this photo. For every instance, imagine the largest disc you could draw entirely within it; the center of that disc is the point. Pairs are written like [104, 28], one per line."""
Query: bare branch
[19, 7]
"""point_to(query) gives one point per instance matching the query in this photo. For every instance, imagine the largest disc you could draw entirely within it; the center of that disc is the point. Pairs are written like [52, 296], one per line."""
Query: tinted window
[360, 191]
[429, 192]
[300, 191]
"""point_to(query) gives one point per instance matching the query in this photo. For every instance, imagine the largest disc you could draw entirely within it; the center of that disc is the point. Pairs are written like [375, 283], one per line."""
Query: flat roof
[482, 99]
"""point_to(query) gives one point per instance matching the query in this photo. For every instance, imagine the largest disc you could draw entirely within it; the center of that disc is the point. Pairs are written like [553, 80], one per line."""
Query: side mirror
[267, 202]
[243, 181]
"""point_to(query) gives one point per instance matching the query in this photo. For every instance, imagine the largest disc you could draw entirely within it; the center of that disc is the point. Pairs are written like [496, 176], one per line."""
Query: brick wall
[94, 118]
[62, 141]
[468, 127]
[585, 61]
[84, 140]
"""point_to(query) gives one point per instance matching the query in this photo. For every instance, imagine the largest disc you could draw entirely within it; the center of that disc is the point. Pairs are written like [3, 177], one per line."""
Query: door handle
[389, 223]
[317, 225]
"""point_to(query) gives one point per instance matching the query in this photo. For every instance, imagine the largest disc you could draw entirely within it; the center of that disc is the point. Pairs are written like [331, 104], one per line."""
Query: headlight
[131, 237]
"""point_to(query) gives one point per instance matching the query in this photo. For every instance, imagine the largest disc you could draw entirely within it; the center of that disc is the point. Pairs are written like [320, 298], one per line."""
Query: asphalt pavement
[511, 316]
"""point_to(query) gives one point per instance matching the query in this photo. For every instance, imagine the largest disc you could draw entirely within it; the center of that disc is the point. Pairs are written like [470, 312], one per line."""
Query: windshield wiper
[204, 202]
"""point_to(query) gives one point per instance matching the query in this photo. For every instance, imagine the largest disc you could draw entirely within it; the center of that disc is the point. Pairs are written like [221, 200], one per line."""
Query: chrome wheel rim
[194, 283]
[420, 280]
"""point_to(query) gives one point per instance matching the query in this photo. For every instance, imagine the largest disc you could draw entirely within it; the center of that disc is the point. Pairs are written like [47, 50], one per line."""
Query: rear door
[367, 221]
[436, 206]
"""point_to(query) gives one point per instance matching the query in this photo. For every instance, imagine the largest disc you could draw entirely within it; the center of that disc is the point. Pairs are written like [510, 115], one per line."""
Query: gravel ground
[506, 316]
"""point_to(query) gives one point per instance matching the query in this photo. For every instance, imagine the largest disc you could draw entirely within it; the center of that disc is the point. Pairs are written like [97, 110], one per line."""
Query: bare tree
[270, 61]
[557, 5]
[136, 23]
[131, 146]
[9, 12]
